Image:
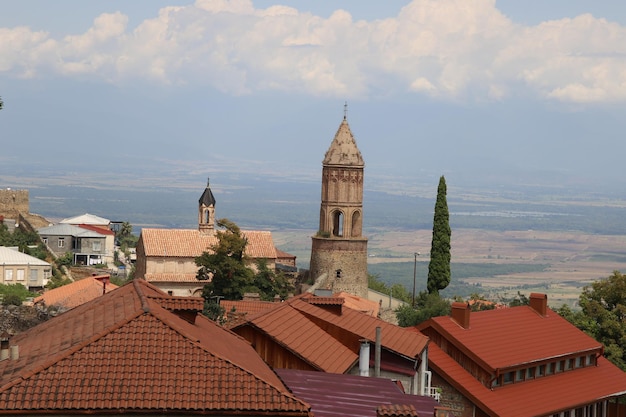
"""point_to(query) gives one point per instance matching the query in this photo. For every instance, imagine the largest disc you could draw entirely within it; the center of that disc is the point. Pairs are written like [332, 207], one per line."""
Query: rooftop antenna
[345, 111]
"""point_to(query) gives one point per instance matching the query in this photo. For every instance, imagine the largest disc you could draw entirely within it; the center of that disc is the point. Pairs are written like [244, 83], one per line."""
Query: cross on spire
[345, 111]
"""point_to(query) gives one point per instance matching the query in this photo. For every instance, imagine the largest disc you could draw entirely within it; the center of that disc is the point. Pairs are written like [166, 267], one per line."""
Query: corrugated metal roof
[68, 230]
[188, 243]
[335, 395]
[10, 256]
[394, 338]
[87, 219]
[289, 328]
[124, 353]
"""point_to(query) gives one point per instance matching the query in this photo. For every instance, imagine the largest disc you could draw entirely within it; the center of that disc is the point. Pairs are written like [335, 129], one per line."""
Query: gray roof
[68, 230]
[9, 256]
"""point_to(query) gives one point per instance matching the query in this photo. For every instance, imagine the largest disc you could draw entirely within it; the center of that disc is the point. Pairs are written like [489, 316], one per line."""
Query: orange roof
[360, 304]
[550, 394]
[394, 338]
[247, 306]
[289, 328]
[508, 337]
[190, 243]
[77, 293]
[125, 352]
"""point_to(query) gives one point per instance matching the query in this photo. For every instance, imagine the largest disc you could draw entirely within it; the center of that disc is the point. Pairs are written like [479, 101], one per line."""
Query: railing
[434, 392]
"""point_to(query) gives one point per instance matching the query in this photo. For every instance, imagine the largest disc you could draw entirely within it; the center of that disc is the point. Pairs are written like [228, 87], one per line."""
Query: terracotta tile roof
[396, 410]
[289, 328]
[247, 307]
[550, 394]
[332, 395]
[394, 338]
[511, 336]
[124, 352]
[188, 243]
[360, 304]
[76, 293]
[281, 254]
[171, 277]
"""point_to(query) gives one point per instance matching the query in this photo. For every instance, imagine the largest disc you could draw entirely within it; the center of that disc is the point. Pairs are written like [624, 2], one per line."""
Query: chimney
[377, 352]
[364, 358]
[4, 346]
[461, 314]
[539, 303]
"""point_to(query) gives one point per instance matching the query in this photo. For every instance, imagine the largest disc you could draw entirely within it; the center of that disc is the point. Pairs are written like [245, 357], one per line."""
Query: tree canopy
[427, 305]
[439, 266]
[603, 315]
[228, 272]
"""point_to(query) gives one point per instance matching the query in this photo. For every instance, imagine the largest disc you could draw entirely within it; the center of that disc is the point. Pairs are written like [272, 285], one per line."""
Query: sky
[471, 89]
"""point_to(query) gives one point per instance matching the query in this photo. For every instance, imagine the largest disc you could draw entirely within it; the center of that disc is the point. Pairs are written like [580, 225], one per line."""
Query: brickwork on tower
[339, 250]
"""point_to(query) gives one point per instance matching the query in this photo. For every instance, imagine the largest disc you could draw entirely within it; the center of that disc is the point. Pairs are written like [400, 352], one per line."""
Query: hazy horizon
[484, 92]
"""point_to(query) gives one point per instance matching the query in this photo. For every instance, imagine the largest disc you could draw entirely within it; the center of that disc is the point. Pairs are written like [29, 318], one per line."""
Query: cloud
[448, 49]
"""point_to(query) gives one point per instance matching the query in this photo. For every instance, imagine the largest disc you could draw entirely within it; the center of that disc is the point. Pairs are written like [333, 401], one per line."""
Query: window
[578, 362]
[61, 242]
[96, 246]
[33, 274]
[338, 272]
[45, 240]
[590, 360]
[550, 368]
[8, 275]
[519, 375]
[508, 378]
[47, 273]
[569, 364]
[541, 370]
[20, 275]
[530, 373]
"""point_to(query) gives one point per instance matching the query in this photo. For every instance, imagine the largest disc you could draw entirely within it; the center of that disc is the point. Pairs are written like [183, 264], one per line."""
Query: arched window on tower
[337, 223]
[356, 224]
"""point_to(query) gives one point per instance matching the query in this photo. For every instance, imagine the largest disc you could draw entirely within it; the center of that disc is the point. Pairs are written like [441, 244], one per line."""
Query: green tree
[603, 315]
[439, 266]
[225, 266]
[125, 238]
[269, 283]
[14, 294]
[427, 305]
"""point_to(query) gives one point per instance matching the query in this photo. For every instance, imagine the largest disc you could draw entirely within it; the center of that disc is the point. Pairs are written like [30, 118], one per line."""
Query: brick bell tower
[339, 250]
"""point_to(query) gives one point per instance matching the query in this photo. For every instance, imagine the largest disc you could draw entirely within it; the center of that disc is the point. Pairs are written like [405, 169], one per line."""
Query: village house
[316, 333]
[166, 257]
[19, 268]
[87, 246]
[136, 350]
[522, 361]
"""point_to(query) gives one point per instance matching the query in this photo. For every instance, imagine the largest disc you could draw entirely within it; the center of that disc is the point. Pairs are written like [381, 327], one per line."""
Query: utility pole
[414, 275]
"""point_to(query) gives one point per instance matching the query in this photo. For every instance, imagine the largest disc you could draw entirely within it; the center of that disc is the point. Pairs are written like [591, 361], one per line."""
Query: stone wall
[460, 405]
[13, 202]
[347, 255]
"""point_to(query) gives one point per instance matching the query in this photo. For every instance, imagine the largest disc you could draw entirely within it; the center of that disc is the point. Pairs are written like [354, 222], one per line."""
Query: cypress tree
[439, 266]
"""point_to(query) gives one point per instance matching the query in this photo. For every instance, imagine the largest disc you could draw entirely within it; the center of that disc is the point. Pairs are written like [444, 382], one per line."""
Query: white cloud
[451, 49]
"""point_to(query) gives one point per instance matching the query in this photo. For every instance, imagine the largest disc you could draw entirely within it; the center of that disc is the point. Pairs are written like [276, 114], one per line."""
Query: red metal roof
[538, 397]
[394, 338]
[288, 327]
[513, 336]
[333, 395]
[98, 229]
[124, 352]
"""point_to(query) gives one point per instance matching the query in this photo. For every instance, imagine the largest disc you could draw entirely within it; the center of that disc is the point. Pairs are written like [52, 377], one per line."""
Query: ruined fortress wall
[13, 202]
